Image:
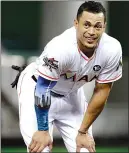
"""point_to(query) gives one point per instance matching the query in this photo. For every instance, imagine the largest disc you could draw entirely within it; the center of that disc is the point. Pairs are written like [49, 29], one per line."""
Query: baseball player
[50, 89]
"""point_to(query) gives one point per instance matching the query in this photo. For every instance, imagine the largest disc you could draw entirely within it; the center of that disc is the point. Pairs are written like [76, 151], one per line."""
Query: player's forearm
[43, 102]
[95, 107]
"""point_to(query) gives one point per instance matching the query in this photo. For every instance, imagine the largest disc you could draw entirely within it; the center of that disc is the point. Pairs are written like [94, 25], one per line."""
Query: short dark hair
[93, 7]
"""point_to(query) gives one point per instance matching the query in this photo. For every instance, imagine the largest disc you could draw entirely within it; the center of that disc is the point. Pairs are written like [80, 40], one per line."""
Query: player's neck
[87, 51]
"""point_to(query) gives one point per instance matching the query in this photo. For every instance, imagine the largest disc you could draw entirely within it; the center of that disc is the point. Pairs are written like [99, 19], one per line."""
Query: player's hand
[40, 140]
[85, 141]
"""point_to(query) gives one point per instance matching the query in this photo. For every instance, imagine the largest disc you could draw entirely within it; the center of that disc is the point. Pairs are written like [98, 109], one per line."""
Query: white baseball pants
[66, 113]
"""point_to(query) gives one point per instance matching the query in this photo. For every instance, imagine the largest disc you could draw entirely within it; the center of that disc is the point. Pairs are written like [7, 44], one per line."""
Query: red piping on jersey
[21, 84]
[86, 58]
[110, 79]
[62, 74]
[48, 76]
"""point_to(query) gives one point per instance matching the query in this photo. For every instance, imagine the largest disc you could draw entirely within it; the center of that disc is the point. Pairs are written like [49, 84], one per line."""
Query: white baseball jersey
[62, 61]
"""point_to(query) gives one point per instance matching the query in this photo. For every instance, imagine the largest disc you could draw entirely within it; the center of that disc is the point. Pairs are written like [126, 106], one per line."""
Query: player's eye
[87, 25]
[98, 26]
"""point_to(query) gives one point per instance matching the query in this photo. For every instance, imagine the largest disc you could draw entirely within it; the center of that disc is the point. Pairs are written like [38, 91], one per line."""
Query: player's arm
[96, 104]
[43, 101]
[111, 72]
[41, 137]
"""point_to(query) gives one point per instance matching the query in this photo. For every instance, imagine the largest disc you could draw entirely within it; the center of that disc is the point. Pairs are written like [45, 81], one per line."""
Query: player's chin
[90, 45]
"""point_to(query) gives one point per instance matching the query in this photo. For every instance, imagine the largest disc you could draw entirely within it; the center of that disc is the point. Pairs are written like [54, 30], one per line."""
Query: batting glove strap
[19, 69]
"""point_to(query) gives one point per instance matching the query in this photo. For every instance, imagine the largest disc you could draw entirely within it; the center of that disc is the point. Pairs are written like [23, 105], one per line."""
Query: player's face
[89, 29]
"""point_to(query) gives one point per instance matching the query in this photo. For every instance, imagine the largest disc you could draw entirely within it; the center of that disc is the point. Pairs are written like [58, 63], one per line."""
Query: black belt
[52, 93]
[34, 78]
[56, 95]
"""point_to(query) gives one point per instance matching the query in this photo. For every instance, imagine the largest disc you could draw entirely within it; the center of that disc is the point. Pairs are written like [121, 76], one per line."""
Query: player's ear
[76, 23]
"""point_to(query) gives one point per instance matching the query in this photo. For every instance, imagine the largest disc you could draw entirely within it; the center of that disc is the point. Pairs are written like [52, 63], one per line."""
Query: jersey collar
[85, 57]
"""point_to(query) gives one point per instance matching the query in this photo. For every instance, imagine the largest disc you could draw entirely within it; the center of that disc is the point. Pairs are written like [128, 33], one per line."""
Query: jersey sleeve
[113, 68]
[52, 62]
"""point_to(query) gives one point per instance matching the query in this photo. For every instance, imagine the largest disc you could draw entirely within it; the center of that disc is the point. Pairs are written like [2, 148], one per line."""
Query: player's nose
[91, 31]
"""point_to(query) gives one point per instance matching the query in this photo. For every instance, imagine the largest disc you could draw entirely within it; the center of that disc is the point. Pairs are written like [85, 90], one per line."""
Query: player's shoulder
[62, 43]
[110, 41]
[69, 35]
[110, 44]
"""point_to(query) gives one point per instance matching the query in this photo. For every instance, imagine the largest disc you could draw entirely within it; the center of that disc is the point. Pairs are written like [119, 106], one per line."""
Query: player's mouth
[90, 39]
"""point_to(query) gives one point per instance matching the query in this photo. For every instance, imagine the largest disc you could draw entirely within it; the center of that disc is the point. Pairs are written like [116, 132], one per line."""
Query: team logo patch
[51, 63]
[96, 67]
